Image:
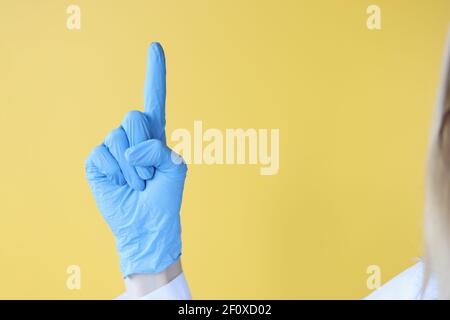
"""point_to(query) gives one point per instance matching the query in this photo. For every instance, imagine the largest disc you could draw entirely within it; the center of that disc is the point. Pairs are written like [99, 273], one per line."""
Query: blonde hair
[437, 196]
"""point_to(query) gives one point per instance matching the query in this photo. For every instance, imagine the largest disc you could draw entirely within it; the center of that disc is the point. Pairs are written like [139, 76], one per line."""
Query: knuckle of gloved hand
[115, 135]
[157, 145]
[133, 116]
[89, 162]
[178, 161]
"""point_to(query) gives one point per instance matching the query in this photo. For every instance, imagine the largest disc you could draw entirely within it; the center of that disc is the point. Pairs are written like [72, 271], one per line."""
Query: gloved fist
[137, 181]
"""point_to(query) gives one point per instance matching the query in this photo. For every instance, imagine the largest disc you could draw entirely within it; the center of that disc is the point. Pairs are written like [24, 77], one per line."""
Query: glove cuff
[150, 262]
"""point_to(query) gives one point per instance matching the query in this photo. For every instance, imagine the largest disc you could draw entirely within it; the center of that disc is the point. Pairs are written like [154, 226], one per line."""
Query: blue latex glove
[137, 181]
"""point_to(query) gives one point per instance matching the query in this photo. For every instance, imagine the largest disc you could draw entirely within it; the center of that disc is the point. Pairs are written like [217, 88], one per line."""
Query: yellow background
[353, 107]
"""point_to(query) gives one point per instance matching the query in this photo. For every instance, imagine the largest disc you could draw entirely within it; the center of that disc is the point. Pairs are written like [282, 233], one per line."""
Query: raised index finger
[155, 90]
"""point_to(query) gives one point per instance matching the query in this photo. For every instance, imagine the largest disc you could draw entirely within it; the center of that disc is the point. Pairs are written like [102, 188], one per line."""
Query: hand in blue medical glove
[138, 181]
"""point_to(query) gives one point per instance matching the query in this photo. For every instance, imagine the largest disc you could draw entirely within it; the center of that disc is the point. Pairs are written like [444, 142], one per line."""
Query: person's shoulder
[406, 286]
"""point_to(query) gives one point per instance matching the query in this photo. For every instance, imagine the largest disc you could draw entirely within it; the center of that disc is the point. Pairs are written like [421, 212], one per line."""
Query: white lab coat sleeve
[177, 289]
[406, 286]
